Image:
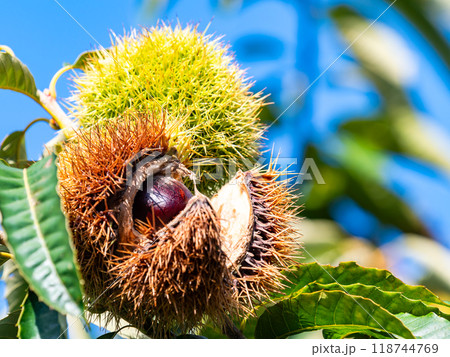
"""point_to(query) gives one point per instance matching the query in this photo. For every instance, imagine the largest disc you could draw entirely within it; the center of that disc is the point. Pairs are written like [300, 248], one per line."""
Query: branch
[51, 106]
[6, 255]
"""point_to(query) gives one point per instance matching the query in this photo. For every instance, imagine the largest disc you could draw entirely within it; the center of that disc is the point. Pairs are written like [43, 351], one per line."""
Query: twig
[6, 255]
[51, 106]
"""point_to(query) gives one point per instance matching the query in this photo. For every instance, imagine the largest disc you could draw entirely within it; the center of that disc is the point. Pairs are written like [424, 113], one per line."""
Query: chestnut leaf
[14, 75]
[347, 273]
[39, 321]
[37, 234]
[328, 310]
[13, 150]
[428, 326]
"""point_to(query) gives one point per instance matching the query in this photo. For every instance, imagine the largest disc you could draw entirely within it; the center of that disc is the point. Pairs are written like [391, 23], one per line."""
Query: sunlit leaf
[393, 301]
[16, 76]
[37, 234]
[349, 273]
[327, 310]
[13, 150]
[429, 326]
[16, 288]
[350, 333]
[83, 59]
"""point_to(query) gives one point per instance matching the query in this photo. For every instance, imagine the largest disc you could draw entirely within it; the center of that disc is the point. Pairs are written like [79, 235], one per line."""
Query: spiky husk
[186, 73]
[181, 277]
[165, 278]
[92, 175]
[272, 244]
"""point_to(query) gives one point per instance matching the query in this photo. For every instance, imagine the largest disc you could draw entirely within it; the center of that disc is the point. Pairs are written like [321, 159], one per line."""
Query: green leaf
[16, 76]
[208, 330]
[327, 310]
[429, 326]
[3, 258]
[13, 150]
[8, 325]
[38, 320]
[350, 333]
[84, 57]
[37, 234]
[80, 63]
[248, 324]
[394, 302]
[349, 273]
[15, 293]
[16, 288]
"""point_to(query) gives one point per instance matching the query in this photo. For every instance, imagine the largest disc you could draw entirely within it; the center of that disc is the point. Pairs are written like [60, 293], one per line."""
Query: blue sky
[284, 45]
[43, 36]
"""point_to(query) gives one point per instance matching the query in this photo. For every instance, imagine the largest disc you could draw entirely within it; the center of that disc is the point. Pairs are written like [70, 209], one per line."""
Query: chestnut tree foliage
[43, 284]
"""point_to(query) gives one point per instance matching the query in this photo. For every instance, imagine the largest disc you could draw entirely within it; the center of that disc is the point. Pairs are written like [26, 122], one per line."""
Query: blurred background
[361, 88]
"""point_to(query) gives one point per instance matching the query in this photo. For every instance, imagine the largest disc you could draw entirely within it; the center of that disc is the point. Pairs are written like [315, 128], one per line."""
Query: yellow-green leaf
[13, 150]
[16, 76]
